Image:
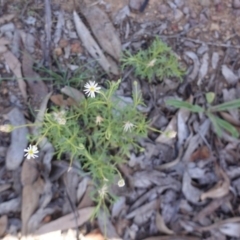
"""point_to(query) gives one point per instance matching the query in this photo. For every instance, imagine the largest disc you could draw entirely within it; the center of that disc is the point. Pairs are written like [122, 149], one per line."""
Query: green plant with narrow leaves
[218, 123]
[157, 61]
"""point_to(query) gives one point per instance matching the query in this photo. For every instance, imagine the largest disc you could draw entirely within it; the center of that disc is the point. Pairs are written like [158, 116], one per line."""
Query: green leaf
[216, 126]
[186, 105]
[226, 106]
[222, 124]
[210, 97]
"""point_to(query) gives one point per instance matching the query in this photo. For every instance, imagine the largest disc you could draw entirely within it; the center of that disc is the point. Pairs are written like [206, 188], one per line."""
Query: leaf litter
[182, 187]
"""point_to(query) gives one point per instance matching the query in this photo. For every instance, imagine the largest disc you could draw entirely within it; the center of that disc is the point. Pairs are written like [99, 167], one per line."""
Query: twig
[211, 43]
[48, 27]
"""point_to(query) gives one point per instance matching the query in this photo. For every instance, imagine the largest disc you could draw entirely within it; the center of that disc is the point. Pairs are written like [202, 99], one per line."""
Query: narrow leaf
[226, 106]
[186, 105]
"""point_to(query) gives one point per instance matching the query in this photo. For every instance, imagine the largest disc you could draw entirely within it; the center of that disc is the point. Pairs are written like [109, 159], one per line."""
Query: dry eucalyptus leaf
[106, 226]
[231, 229]
[6, 18]
[4, 41]
[67, 221]
[36, 219]
[81, 189]
[203, 69]
[87, 200]
[220, 189]
[29, 172]
[30, 199]
[59, 28]
[91, 45]
[13, 205]
[144, 208]
[19, 140]
[37, 88]
[191, 193]
[229, 76]
[118, 207]
[28, 41]
[103, 30]
[3, 224]
[71, 180]
[73, 93]
[196, 65]
[161, 226]
[4, 187]
[15, 66]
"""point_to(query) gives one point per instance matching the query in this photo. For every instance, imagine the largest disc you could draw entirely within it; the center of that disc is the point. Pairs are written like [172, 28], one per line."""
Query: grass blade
[222, 124]
[186, 105]
[226, 106]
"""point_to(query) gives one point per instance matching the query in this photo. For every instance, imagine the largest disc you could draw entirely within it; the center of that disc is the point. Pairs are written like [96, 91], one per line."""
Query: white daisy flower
[121, 183]
[31, 151]
[91, 88]
[99, 119]
[6, 128]
[60, 117]
[128, 126]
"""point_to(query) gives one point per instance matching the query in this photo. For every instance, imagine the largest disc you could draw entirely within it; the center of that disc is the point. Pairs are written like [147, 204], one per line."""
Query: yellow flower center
[92, 89]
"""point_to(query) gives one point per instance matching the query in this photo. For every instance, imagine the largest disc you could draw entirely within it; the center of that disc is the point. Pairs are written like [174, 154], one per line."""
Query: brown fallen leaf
[161, 226]
[91, 45]
[15, 66]
[3, 224]
[67, 221]
[30, 198]
[73, 93]
[29, 173]
[6, 18]
[103, 30]
[4, 187]
[201, 153]
[87, 200]
[4, 41]
[220, 189]
[37, 87]
[58, 100]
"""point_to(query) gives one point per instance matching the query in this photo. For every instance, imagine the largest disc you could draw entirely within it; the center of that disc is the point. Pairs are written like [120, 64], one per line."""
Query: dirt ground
[184, 187]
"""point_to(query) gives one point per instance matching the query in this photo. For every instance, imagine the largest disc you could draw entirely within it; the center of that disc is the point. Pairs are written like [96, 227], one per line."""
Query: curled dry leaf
[91, 45]
[191, 193]
[220, 189]
[196, 65]
[67, 221]
[161, 226]
[19, 141]
[3, 224]
[15, 66]
[103, 30]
